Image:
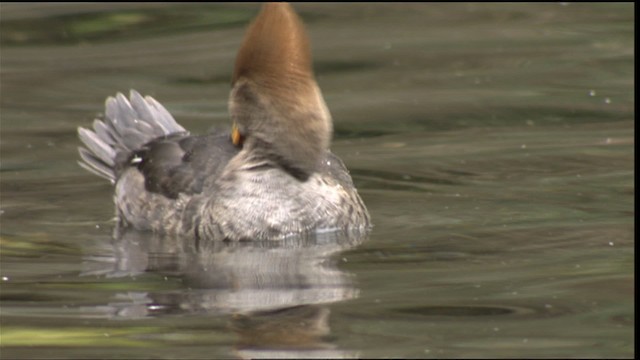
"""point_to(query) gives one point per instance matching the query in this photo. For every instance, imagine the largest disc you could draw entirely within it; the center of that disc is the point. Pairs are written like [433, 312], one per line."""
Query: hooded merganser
[270, 177]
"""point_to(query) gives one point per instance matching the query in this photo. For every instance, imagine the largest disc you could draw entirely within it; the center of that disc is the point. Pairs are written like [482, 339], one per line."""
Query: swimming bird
[270, 177]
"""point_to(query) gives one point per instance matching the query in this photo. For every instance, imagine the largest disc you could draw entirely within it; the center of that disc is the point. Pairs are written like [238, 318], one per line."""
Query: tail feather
[97, 146]
[127, 126]
[103, 132]
[154, 113]
[95, 165]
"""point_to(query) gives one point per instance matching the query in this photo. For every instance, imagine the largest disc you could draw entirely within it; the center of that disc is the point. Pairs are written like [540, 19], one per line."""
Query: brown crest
[275, 53]
[275, 102]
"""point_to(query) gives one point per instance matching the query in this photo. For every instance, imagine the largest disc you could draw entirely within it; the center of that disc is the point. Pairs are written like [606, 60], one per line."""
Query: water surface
[492, 143]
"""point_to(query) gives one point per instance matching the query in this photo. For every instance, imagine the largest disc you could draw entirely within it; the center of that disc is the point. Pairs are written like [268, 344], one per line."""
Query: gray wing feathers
[128, 124]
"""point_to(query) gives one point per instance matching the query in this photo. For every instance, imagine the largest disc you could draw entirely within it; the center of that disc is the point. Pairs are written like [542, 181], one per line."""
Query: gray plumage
[127, 127]
[169, 181]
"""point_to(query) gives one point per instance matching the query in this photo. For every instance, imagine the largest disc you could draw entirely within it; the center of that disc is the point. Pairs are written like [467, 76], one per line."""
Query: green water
[492, 143]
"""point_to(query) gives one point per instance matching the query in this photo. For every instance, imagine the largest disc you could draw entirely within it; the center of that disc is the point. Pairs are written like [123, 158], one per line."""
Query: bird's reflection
[275, 293]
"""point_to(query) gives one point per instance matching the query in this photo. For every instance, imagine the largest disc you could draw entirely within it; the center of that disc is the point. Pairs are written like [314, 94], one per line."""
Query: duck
[271, 175]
